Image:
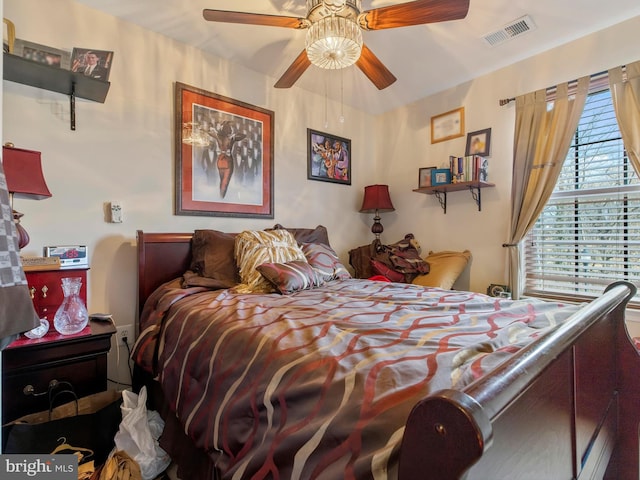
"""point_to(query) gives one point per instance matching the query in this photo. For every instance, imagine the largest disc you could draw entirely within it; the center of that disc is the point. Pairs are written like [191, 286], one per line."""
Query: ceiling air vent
[510, 30]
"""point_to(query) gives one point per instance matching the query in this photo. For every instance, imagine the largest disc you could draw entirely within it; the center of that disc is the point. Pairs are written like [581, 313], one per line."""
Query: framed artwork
[424, 177]
[440, 176]
[224, 155]
[447, 125]
[328, 157]
[41, 54]
[92, 63]
[479, 143]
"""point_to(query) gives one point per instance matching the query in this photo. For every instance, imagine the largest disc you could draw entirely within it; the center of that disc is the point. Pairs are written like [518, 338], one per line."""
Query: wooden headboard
[161, 258]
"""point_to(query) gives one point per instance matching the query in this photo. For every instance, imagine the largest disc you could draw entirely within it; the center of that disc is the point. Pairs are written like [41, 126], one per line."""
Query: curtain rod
[596, 81]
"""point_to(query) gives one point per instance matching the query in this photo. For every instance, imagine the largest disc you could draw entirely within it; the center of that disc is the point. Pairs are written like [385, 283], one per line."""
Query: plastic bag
[139, 432]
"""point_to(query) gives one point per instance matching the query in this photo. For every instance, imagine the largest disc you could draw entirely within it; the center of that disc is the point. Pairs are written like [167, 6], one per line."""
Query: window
[588, 234]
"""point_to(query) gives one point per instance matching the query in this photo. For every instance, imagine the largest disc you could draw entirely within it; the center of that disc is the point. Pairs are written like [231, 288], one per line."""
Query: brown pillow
[325, 261]
[291, 277]
[212, 258]
[307, 235]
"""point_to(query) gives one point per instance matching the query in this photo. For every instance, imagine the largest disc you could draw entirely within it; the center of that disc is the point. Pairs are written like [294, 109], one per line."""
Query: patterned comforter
[319, 384]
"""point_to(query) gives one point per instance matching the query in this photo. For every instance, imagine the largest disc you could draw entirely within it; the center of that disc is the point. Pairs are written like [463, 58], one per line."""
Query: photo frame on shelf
[328, 157]
[224, 155]
[92, 63]
[424, 177]
[447, 125]
[36, 52]
[479, 143]
[440, 176]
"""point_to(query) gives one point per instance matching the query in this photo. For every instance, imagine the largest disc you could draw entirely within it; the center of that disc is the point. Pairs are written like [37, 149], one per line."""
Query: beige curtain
[626, 102]
[543, 133]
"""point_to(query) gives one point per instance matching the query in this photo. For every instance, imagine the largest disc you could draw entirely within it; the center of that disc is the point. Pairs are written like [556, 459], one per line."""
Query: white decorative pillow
[255, 247]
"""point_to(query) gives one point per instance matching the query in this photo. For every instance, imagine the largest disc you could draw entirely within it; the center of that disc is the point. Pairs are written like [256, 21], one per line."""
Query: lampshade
[334, 42]
[376, 198]
[23, 170]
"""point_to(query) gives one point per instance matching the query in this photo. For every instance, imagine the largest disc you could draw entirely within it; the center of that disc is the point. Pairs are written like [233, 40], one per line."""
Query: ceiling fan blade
[295, 70]
[373, 68]
[417, 12]
[254, 19]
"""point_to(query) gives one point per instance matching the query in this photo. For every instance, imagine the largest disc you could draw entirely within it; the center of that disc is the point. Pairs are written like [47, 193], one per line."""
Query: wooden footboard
[561, 408]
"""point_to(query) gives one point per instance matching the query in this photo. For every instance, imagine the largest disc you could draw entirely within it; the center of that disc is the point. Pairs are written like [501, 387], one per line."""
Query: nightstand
[30, 366]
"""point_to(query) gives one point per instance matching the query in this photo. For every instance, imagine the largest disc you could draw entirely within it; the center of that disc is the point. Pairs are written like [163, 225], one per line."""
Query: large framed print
[328, 157]
[224, 155]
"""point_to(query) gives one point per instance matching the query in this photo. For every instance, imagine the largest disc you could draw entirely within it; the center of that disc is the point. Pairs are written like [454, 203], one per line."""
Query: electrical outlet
[122, 332]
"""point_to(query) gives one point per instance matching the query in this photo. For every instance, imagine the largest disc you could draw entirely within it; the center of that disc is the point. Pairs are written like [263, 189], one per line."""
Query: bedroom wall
[123, 149]
[406, 147]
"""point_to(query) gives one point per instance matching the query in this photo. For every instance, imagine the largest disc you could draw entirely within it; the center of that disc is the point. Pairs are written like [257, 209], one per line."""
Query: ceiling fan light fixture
[334, 5]
[334, 42]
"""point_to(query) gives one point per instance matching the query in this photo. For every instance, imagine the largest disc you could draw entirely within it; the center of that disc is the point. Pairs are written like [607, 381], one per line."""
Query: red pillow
[381, 269]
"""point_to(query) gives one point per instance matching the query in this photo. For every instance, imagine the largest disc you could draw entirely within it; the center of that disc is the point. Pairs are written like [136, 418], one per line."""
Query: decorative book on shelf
[471, 168]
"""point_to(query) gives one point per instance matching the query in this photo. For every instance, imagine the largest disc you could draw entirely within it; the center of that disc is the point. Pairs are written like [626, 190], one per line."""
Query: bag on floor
[138, 434]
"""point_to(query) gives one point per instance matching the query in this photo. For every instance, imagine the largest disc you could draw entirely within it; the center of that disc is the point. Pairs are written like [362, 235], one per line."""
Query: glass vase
[71, 317]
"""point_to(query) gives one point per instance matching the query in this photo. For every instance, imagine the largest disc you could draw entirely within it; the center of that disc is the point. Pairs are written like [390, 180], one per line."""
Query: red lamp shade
[376, 199]
[23, 170]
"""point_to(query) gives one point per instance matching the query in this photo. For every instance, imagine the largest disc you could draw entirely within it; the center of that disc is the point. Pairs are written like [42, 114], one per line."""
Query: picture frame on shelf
[479, 143]
[448, 125]
[424, 177]
[328, 157]
[224, 155]
[440, 176]
[92, 63]
[38, 53]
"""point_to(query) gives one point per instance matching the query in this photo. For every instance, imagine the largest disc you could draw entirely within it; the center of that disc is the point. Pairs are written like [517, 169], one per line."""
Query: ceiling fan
[334, 37]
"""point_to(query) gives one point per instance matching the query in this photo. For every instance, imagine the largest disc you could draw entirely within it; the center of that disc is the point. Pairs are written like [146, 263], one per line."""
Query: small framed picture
[479, 143]
[92, 63]
[440, 176]
[328, 157]
[41, 54]
[424, 177]
[447, 125]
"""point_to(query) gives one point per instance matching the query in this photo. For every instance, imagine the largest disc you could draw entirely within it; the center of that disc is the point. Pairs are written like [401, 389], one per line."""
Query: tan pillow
[444, 269]
[255, 247]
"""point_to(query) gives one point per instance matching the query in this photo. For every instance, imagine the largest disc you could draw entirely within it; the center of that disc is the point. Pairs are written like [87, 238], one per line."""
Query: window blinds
[588, 234]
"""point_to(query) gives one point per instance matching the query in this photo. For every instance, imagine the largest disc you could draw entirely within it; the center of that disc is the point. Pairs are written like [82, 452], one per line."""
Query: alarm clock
[495, 290]
[71, 256]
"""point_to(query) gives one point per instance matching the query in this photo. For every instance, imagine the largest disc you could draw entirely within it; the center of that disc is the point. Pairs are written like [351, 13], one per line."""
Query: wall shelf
[39, 75]
[440, 191]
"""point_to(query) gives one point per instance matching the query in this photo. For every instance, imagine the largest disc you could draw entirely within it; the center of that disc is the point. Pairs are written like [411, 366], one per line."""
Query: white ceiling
[426, 59]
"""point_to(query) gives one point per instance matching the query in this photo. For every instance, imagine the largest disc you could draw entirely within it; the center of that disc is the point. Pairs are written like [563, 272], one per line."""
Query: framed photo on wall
[328, 157]
[224, 155]
[479, 143]
[447, 125]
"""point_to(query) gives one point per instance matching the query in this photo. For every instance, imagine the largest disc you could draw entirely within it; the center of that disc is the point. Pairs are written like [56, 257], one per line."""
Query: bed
[552, 403]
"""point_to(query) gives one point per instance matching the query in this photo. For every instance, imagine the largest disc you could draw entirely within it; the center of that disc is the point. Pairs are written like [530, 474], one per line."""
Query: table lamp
[376, 200]
[23, 170]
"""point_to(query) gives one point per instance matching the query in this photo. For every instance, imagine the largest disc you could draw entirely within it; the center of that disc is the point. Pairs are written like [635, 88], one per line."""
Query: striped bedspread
[319, 384]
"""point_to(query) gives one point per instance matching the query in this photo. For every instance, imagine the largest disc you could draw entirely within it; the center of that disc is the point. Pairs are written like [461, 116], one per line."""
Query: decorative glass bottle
[72, 315]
